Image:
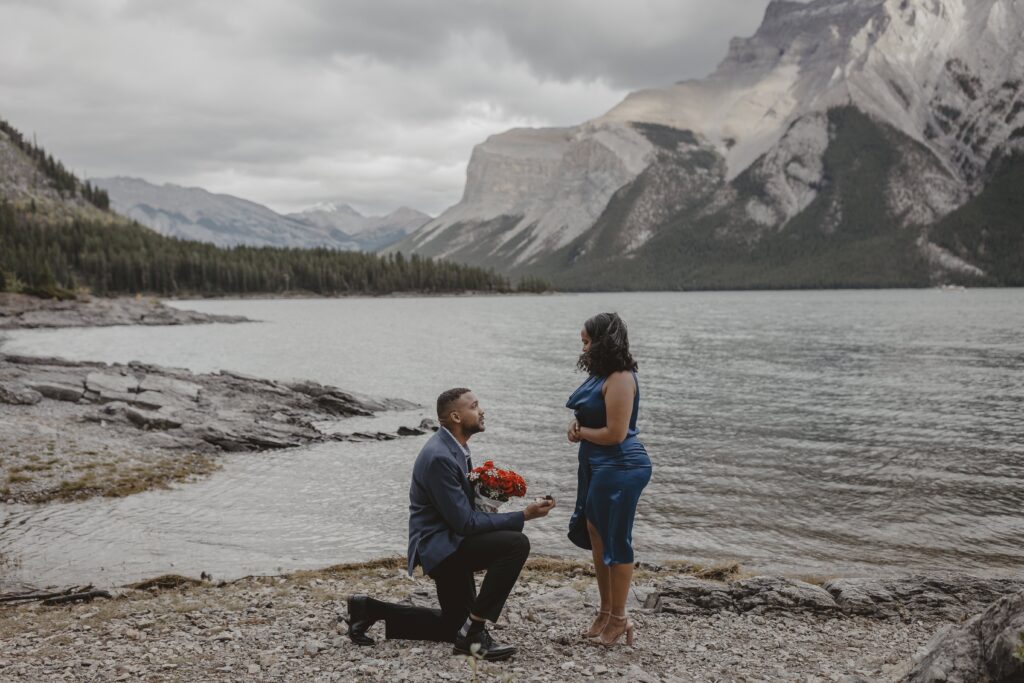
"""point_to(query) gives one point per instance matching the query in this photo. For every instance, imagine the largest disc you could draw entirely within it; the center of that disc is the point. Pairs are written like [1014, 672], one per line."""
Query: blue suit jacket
[441, 509]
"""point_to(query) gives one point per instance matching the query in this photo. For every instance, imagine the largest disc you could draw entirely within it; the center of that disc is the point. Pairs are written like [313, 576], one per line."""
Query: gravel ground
[286, 629]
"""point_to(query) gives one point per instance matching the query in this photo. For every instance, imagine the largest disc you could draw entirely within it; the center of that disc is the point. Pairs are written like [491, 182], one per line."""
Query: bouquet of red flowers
[495, 485]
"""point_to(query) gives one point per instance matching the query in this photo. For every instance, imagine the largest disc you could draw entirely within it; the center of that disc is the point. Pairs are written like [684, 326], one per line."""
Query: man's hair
[445, 401]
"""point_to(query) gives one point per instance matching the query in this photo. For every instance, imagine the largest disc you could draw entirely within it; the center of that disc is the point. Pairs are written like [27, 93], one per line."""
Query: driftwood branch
[76, 597]
[73, 594]
[29, 596]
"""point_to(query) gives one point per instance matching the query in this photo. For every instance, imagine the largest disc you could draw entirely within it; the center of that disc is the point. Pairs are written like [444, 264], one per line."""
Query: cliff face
[747, 149]
[530, 192]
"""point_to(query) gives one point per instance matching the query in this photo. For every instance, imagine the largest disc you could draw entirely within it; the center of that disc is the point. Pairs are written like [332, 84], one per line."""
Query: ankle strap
[617, 616]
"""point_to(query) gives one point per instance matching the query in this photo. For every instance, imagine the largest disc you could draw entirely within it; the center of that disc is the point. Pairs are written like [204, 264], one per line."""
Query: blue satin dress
[610, 478]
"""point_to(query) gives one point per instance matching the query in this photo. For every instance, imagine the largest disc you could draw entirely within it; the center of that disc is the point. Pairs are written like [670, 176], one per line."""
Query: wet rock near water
[70, 427]
[989, 647]
[949, 597]
[19, 311]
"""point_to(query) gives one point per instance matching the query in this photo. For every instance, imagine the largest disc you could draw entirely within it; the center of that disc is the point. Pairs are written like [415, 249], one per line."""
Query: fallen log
[36, 595]
[85, 596]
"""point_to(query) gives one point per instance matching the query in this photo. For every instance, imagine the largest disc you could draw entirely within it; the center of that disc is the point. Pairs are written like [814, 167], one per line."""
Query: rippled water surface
[819, 432]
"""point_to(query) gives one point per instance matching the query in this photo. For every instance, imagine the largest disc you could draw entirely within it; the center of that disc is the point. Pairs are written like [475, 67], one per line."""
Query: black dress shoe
[359, 620]
[487, 648]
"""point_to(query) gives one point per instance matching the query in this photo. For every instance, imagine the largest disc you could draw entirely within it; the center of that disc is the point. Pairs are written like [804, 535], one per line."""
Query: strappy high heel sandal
[599, 623]
[608, 640]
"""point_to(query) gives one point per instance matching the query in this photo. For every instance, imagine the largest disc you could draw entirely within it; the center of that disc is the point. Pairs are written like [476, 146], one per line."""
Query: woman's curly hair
[609, 346]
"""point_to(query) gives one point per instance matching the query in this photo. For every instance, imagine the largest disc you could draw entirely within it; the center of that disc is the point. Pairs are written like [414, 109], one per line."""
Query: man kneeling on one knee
[451, 540]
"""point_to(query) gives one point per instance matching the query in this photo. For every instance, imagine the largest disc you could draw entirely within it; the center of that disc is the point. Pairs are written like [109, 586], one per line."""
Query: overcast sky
[373, 102]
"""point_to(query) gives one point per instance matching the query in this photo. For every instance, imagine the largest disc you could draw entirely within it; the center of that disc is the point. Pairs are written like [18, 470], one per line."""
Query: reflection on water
[803, 431]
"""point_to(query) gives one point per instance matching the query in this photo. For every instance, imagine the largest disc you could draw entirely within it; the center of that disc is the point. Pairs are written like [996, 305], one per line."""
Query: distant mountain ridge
[224, 220]
[826, 150]
[371, 233]
[59, 237]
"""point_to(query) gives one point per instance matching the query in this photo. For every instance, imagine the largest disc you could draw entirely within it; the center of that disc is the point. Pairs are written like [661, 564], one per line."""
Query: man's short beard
[475, 429]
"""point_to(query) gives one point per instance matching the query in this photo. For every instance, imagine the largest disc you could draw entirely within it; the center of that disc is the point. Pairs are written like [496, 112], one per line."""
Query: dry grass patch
[35, 467]
[109, 480]
[719, 572]
[355, 568]
[557, 565]
[165, 582]
[161, 473]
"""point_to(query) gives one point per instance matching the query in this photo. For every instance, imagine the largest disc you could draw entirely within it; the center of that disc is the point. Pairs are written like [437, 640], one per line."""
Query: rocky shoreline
[19, 311]
[691, 628]
[74, 430]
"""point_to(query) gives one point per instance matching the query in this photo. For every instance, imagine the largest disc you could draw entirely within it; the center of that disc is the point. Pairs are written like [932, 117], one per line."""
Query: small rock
[18, 394]
[148, 419]
[58, 391]
[110, 383]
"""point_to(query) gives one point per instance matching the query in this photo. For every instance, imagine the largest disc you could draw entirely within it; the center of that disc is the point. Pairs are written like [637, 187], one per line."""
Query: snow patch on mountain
[946, 74]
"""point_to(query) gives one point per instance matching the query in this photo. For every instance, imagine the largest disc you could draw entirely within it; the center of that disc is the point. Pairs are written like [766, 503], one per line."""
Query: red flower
[498, 483]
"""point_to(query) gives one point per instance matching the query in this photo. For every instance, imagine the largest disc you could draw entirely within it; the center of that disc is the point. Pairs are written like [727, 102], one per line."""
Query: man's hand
[574, 432]
[539, 509]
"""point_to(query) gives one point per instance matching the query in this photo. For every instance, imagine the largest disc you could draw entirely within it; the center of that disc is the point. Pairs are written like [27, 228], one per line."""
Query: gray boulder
[153, 400]
[989, 647]
[767, 593]
[949, 597]
[150, 419]
[686, 594]
[169, 386]
[111, 383]
[58, 391]
[17, 394]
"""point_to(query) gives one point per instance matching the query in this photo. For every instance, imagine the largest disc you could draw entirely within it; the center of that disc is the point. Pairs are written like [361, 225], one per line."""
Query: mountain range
[196, 214]
[846, 143]
[370, 233]
[60, 237]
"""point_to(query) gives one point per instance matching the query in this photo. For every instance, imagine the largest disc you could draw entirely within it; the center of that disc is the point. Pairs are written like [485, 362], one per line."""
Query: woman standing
[614, 468]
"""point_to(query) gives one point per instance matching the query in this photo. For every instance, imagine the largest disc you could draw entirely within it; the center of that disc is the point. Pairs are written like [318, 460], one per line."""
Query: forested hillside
[52, 242]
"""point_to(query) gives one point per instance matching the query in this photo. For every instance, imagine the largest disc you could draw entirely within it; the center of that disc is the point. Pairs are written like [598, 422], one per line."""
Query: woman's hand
[574, 432]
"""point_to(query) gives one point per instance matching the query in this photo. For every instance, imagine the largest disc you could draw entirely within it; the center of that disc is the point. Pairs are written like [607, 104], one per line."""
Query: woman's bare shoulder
[620, 381]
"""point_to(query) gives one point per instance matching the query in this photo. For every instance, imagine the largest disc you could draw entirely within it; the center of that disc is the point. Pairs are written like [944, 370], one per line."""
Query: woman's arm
[619, 390]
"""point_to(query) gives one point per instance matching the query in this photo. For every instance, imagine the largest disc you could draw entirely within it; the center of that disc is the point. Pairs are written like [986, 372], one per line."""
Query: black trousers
[501, 553]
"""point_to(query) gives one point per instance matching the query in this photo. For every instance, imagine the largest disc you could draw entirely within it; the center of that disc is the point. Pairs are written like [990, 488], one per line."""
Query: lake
[820, 432]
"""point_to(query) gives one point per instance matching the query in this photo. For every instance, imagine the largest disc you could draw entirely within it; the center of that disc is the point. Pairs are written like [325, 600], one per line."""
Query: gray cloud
[376, 103]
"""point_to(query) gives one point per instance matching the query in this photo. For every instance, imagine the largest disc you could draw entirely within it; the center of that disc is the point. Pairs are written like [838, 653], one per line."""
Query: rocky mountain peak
[333, 208]
[761, 141]
[405, 213]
